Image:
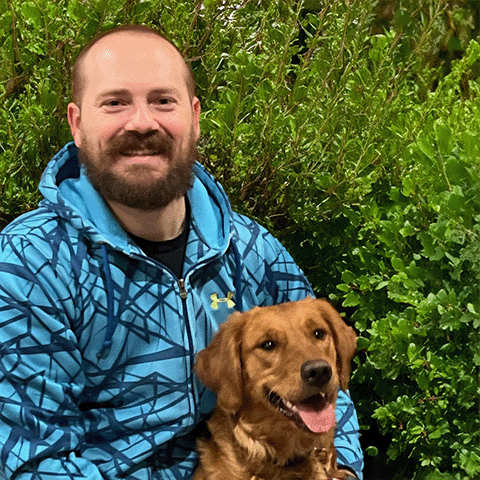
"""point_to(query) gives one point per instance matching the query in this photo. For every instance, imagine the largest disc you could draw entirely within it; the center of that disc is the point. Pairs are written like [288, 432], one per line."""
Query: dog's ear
[219, 366]
[345, 341]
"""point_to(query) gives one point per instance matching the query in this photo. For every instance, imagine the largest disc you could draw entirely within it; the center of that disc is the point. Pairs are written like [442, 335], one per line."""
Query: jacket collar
[67, 189]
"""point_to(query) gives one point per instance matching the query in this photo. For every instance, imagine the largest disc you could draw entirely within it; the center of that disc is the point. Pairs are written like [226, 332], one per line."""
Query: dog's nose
[316, 372]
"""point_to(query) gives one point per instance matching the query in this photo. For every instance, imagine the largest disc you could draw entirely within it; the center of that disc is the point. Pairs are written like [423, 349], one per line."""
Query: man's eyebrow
[125, 92]
[164, 90]
[122, 92]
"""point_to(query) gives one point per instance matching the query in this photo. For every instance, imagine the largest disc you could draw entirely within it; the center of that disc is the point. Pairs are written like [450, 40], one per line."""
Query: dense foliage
[351, 130]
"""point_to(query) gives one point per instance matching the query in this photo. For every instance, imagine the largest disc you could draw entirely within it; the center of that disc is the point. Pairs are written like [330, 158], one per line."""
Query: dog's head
[292, 357]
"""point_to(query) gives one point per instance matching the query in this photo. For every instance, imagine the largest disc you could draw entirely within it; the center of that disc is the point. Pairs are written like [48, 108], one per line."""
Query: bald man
[123, 273]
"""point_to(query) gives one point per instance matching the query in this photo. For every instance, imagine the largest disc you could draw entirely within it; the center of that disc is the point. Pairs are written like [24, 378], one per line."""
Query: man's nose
[142, 119]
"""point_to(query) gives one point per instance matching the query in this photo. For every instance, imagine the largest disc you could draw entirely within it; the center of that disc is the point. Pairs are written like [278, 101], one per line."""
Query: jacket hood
[67, 189]
[68, 192]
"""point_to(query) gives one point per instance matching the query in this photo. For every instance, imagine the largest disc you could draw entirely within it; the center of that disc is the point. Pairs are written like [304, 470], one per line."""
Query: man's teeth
[140, 154]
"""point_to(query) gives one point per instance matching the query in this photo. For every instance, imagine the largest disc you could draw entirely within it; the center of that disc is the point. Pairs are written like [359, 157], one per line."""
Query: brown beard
[140, 189]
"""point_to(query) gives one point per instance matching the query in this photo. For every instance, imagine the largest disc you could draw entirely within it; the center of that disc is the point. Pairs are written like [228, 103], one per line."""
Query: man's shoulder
[246, 227]
[36, 227]
[32, 220]
[254, 237]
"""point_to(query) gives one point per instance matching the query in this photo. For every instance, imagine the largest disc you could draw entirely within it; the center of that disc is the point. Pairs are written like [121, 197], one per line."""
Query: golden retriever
[276, 372]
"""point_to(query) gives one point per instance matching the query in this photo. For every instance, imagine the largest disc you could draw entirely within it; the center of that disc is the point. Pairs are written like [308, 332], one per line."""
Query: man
[123, 273]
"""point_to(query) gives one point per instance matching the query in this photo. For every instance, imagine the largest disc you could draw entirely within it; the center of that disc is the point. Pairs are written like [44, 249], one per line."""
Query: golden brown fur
[302, 352]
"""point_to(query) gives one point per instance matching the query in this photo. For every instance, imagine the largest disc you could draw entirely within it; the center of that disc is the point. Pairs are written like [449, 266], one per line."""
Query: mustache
[132, 142]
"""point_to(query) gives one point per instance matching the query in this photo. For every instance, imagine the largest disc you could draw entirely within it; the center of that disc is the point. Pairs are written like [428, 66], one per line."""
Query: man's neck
[155, 225]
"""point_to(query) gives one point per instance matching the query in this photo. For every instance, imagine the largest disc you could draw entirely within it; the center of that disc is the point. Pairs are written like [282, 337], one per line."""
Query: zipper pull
[183, 290]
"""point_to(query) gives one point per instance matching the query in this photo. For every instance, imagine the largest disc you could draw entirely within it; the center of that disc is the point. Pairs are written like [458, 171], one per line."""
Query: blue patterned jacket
[98, 341]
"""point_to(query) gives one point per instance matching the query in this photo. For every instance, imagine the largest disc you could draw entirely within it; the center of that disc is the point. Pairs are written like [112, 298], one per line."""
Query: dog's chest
[297, 469]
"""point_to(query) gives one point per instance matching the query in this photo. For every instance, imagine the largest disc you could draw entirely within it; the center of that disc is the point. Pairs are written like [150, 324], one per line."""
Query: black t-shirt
[170, 253]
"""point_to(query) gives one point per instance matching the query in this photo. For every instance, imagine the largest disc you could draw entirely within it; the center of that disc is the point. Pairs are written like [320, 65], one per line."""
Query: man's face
[136, 127]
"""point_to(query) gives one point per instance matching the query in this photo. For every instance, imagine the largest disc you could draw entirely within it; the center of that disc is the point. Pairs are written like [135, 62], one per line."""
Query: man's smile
[141, 154]
[145, 157]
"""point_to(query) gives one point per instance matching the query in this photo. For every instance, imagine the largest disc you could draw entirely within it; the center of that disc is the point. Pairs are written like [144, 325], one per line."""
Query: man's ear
[73, 116]
[196, 109]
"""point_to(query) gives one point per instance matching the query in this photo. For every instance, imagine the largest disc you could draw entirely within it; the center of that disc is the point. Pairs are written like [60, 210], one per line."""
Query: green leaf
[440, 431]
[371, 451]
[382, 284]
[398, 264]
[426, 147]
[443, 135]
[412, 352]
[351, 300]
[362, 343]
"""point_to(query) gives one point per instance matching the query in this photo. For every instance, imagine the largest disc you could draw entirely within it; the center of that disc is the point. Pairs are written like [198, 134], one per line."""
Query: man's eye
[164, 102]
[113, 103]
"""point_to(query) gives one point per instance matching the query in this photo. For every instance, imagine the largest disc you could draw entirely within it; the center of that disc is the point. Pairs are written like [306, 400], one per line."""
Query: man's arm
[347, 441]
[41, 428]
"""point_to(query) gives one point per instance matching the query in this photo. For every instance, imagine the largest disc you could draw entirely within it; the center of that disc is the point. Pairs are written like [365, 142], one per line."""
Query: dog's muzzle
[314, 413]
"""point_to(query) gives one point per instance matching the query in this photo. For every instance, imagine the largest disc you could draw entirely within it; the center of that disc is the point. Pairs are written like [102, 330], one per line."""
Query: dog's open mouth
[315, 413]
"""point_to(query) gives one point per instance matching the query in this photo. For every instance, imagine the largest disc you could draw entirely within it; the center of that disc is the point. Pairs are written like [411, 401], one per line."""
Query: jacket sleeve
[41, 428]
[347, 438]
[288, 283]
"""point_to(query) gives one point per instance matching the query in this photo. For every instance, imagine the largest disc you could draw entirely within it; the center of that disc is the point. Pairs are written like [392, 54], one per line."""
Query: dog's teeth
[291, 406]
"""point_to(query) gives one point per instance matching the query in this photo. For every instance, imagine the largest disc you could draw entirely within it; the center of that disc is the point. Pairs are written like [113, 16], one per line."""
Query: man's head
[78, 79]
[135, 117]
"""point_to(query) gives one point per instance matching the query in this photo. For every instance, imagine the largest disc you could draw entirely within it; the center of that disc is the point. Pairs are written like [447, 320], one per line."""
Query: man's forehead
[131, 44]
[133, 58]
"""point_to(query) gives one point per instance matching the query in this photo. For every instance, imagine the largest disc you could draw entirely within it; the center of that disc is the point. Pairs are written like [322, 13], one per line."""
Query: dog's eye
[319, 333]
[268, 345]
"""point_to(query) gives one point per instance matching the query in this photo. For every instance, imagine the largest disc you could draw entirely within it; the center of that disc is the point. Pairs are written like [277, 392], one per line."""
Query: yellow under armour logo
[215, 300]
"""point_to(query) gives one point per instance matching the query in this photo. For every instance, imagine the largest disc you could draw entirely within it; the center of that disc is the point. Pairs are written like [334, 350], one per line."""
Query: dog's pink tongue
[318, 422]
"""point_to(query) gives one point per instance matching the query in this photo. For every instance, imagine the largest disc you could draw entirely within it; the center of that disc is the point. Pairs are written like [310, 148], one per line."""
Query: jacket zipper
[184, 296]
[183, 290]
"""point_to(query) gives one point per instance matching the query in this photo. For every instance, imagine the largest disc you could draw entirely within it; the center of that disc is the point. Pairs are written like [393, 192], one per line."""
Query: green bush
[413, 279]
[350, 129]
